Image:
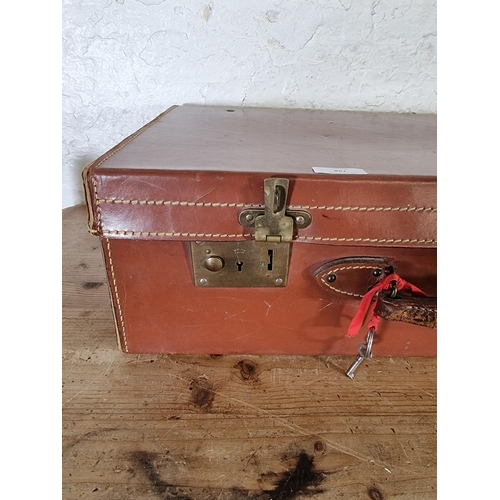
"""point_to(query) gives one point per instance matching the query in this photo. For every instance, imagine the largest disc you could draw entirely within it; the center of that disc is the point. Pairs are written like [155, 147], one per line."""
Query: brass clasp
[274, 223]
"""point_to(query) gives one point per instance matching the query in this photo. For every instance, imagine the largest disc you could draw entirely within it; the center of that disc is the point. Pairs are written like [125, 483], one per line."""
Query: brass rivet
[203, 281]
[214, 263]
[300, 220]
[249, 217]
[278, 281]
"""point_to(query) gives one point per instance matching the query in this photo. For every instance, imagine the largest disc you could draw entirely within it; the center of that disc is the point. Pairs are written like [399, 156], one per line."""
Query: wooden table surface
[231, 427]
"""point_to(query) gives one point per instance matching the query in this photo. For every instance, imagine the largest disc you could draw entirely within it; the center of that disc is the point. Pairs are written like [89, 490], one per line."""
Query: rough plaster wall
[125, 61]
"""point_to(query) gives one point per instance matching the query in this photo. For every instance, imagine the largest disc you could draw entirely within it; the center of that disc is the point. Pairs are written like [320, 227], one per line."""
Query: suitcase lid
[189, 173]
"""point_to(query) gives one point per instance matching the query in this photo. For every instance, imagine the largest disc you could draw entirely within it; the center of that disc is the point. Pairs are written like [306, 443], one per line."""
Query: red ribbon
[366, 302]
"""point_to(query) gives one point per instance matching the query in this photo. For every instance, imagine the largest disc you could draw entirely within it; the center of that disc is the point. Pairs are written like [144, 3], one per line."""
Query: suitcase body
[220, 236]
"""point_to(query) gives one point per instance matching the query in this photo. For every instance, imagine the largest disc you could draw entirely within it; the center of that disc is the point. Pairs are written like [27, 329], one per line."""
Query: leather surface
[146, 207]
[188, 206]
[141, 189]
[158, 308]
[351, 277]
[289, 141]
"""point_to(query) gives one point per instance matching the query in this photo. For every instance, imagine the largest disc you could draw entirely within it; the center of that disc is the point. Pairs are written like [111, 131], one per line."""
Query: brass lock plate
[240, 264]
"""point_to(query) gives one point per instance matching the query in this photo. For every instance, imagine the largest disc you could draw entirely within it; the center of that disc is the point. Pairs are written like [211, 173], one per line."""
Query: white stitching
[193, 235]
[368, 240]
[112, 269]
[310, 238]
[172, 203]
[367, 209]
[228, 204]
[352, 294]
[343, 268]
[98, 207]
[115, 289]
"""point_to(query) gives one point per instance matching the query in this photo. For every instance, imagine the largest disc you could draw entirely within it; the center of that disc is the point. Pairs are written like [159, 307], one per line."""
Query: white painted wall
[125, 61]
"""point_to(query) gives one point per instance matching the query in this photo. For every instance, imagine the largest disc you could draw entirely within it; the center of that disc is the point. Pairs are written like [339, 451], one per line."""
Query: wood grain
[230, 427]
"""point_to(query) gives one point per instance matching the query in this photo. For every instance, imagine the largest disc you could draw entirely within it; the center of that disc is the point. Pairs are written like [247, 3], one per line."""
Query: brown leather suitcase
[259, 231]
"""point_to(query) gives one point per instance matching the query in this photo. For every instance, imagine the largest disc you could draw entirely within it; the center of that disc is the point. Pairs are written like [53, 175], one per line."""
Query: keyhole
[239, 265]
[270, 260]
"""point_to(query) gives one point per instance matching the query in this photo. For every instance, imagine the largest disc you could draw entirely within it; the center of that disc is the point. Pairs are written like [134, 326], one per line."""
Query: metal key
[354, 366]
[365, 352]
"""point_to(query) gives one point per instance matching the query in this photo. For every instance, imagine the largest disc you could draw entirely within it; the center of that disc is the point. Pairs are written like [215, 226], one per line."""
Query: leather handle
[420, 311]
[353, 277]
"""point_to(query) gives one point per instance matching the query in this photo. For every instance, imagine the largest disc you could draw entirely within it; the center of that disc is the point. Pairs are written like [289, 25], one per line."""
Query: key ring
[369, 343]
[365, 350]
[394, 290]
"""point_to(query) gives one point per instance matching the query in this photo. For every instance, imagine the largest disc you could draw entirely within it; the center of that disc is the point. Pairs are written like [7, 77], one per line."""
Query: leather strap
[352, 277]
[420, 311]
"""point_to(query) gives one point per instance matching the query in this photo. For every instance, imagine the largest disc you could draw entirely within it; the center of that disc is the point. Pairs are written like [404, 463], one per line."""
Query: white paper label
[337, 171]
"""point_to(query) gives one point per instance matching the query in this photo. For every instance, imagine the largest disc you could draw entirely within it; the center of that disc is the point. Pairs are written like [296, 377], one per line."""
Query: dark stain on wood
[203, 393]
[248, 369]
[166, 491]
[91, 285]
[375, 494]
[299, 480]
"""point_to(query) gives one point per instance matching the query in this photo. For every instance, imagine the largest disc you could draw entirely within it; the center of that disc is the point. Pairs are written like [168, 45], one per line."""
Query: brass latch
[262, 262]
[274, 223]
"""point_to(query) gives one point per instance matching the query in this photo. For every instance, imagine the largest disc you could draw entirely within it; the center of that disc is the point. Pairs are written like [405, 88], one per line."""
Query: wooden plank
[230, 427]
